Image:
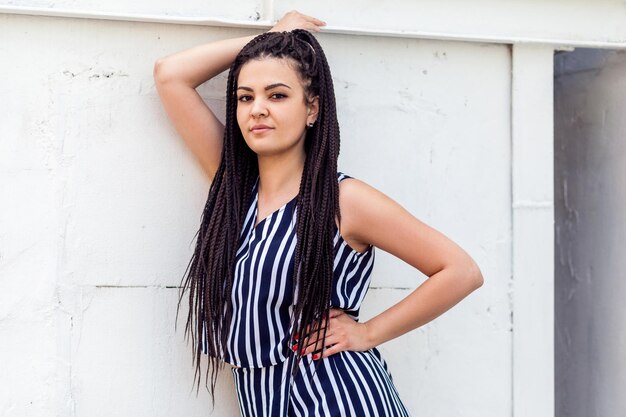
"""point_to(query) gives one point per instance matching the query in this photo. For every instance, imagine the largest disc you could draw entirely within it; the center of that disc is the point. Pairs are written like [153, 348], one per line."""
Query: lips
[260, 128]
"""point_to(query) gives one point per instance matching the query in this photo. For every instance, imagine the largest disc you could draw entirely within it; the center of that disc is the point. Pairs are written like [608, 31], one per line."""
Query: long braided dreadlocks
[209, 275]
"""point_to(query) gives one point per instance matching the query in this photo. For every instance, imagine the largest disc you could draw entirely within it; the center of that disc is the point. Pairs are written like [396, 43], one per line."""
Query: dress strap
[341, 176]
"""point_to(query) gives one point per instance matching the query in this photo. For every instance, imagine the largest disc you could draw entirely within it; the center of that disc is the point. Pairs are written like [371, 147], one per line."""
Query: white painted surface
[533, 232]
[240, 9]
[557, 20]
[101, 196]
[589, 135]
[575, 22]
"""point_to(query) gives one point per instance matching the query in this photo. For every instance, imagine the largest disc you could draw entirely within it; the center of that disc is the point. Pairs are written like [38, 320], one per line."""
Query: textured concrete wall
[590, 178]
[102, 200]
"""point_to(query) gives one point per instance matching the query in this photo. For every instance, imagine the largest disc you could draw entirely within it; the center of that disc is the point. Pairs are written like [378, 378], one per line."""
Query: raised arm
[178, 75]
[176, 78]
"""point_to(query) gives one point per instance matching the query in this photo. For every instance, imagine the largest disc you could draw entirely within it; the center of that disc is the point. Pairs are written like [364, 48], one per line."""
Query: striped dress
[344, 384]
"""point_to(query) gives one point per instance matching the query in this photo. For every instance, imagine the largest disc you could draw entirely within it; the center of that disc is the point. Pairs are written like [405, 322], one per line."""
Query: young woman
[277, 201]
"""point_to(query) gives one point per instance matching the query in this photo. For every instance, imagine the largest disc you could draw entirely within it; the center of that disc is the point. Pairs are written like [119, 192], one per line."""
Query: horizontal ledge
[533, 204]
[564, 44]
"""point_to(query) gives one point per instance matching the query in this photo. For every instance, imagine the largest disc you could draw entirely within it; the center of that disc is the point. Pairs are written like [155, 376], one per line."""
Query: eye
[244, 98]
[278, 96]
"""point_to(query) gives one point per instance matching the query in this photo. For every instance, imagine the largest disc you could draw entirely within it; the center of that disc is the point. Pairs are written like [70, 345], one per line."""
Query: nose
[258, 108]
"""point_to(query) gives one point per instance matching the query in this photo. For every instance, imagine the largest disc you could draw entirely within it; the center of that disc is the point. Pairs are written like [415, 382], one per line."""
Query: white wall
[591, 199]
[102, 200]
[598, 22]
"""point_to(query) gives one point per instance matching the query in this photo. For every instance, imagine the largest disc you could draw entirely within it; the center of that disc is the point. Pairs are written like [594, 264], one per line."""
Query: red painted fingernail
[295, 336]
[302, 351]
[295, 347]
[317, 355]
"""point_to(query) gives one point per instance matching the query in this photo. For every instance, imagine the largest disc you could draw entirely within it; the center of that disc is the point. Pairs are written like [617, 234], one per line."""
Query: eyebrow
[269, 87]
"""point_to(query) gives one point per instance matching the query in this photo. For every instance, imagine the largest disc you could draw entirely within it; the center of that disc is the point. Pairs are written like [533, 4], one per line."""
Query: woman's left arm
[371, 217]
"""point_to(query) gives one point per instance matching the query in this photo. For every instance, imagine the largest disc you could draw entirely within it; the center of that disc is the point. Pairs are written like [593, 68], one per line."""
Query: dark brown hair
[209, 274]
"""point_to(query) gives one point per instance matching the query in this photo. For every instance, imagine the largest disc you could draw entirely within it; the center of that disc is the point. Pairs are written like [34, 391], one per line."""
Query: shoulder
[353, 191]
[358, 201]
[370, 217]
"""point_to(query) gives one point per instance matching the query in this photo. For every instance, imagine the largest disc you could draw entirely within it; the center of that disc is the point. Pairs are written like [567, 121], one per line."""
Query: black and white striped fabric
[347, 383]
[262, 288]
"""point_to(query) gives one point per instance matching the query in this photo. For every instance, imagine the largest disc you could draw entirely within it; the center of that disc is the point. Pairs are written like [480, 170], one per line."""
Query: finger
[312, 28]
[306, 337]
[317, 347]
[314, 342]
[313, 20]
[330, 339]
[326, 327]
[316, 354]
[310, 334]
[336, 348]
[310, 329]
[303, 347]
[308, 26]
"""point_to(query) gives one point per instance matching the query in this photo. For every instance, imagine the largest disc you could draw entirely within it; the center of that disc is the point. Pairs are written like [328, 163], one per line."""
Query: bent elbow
[158, 71]
[475, 274]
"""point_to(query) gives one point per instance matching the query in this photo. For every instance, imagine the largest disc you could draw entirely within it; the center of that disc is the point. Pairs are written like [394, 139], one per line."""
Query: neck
[280, 175]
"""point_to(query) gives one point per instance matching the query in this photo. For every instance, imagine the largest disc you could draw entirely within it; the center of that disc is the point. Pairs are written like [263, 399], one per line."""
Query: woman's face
[271, 109]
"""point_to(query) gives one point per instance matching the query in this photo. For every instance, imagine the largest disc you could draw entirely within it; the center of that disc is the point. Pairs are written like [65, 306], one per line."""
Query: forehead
[265, 71]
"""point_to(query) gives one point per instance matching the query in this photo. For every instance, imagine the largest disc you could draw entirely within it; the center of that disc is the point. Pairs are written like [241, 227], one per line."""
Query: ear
[313, 107]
